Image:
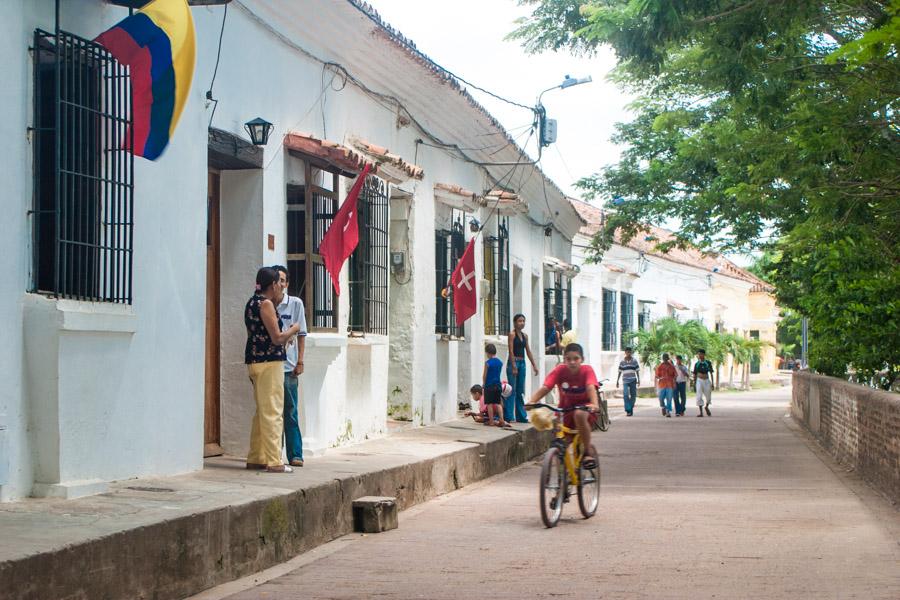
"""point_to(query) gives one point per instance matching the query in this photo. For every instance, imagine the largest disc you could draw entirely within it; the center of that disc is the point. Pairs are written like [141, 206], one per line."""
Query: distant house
[636, 284]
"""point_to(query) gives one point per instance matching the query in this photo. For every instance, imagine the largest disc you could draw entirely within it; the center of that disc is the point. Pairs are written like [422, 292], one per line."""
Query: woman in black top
[264, 355]
[514, 406]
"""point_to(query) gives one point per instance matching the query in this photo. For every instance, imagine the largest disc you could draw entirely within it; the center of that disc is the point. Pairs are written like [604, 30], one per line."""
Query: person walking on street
[290, 311]
[665, 383]
[264, 356]
[703, 370]
[517, 340]
[681, 378]
[630, 375]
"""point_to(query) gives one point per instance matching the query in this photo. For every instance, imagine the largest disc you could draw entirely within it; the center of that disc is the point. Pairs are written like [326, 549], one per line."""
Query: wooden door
[211, 424]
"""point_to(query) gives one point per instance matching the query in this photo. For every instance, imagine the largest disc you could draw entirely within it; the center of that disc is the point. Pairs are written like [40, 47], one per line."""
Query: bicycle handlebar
[556, 409]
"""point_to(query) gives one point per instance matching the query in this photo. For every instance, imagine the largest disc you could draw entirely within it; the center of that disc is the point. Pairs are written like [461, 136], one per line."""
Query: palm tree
[716, 352]
[732, 346]
[751, 350]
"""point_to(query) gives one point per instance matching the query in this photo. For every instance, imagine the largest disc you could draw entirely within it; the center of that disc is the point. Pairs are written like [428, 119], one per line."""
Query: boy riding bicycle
[577, 385]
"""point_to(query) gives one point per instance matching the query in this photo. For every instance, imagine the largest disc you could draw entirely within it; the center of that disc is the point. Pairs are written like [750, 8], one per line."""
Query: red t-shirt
[666, 373]
[572, 386]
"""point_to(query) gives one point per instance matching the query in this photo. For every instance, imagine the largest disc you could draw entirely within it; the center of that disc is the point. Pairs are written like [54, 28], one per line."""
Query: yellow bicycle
[562, 468]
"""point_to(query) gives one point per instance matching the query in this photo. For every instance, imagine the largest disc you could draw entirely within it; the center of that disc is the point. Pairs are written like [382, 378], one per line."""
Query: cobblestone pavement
[739, 505]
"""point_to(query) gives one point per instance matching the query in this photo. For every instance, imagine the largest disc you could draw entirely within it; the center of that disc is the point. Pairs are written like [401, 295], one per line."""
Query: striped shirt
[629, 370]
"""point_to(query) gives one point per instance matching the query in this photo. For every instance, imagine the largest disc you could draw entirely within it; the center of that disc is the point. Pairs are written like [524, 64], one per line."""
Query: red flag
[463, 282]
[342, 237]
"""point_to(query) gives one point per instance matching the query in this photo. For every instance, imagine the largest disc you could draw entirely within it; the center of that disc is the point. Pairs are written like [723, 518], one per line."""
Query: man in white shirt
[290, 310]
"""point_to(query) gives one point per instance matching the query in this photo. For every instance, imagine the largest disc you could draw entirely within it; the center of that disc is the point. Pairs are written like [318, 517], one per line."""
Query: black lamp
[259, 130]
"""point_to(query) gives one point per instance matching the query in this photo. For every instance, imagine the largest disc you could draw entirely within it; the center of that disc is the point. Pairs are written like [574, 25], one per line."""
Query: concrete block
[374, 514]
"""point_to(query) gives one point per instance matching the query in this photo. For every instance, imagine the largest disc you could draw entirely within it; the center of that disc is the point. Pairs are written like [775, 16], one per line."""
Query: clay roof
[383, 155]
[646, 241]
[348, 160]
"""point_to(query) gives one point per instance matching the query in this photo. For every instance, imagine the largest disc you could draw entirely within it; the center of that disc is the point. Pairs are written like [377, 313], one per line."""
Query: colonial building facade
[124, 283]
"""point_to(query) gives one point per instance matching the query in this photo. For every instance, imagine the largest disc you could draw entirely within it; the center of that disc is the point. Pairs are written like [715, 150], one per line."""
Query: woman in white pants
[703, 371]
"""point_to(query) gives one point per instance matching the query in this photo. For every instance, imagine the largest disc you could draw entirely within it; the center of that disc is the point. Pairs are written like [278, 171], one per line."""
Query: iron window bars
[449, 245]
[627, 319]
[83, 229]
[496, 271]
[304, 234]
[369, 262]
[558, 298]
[609, 319]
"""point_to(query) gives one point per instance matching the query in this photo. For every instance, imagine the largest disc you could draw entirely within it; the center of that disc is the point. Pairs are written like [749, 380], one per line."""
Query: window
[496, 271]
[369, 262]
[627, 320]
[609, 319]
[449, 245]
[558, 298]
[310, 210]
[644, 317]
[83, 176]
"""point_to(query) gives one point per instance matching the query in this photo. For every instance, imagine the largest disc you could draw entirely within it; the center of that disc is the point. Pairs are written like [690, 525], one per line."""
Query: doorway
[212, 431]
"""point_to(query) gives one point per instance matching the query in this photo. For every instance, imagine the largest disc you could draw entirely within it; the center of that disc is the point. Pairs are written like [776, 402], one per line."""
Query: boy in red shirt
[665, 383]
[577, 385]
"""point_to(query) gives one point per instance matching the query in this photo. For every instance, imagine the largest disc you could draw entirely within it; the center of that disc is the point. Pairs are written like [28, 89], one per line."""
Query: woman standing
[264, 355]
[517, 339]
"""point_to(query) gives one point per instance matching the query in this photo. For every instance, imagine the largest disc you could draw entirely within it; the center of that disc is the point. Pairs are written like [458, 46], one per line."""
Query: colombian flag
[157, 43]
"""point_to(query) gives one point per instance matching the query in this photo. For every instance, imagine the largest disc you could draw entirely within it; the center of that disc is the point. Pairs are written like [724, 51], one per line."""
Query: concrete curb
[178, 557]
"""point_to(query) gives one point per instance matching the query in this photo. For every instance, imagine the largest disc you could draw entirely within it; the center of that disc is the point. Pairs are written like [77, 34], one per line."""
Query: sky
[466, 37]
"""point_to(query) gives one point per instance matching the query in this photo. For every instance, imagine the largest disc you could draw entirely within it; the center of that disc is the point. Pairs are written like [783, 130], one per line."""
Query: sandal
[279, 469]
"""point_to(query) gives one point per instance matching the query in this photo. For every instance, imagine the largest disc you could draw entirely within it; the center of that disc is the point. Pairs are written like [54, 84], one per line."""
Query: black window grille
[644, 318]
[310, 210]
[369, 262]
[83, 174]
[558, 299]
[496, 271]
[627, 320]
[609, 319]
[449, 245]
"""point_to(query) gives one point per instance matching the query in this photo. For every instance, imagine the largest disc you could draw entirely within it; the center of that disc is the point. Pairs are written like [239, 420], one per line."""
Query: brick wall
[859, 426]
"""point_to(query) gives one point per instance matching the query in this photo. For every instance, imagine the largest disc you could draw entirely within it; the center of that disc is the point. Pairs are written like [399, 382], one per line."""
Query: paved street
[734, 506]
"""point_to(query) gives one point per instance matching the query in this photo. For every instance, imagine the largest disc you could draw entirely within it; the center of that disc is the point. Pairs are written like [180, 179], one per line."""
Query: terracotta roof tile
[382, 155]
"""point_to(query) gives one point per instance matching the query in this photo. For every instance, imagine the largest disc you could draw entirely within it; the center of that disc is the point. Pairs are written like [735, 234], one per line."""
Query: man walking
[629, 374]
[290, 310]
[665, 383]
[703, 370]
[681, 379]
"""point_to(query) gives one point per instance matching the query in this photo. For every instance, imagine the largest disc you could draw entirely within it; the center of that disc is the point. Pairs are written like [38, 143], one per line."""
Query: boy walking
[681, 379]
[703, 370]
[629, 374]
[665, 383]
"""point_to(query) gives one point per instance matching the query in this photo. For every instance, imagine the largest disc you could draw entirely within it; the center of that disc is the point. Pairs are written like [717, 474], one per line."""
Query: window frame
[497, 300]
[610, 323]
[449, 246]
[626, 326]
[368, 264]
[558, 298]
[82, 210]
[316, 286]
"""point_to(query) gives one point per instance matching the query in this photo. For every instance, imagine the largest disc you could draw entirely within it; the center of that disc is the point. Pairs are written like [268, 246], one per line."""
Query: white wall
[115, 400]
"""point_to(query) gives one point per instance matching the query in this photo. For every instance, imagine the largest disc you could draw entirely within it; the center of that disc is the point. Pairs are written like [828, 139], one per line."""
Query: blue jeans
[629, 394]
[680, 397]
[293, 442]
[514, 406]
[665, 395]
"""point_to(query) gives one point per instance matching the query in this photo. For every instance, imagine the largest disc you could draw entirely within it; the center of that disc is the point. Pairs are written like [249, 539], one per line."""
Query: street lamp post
[547, 127]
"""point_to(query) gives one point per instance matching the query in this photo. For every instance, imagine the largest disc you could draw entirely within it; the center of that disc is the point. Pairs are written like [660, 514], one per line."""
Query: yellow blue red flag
[157, 43]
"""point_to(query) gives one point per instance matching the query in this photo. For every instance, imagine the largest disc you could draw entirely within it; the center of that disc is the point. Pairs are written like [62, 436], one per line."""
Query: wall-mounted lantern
[259, 130]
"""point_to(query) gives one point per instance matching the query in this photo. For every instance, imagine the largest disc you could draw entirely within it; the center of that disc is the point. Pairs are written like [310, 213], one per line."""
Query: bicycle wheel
[589, 489]
[553, 487]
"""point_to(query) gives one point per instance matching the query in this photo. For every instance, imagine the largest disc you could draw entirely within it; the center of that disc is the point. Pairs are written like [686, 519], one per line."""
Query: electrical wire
[209, 92]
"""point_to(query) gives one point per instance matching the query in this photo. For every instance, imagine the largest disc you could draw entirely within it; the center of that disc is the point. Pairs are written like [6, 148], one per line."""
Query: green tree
[761, 126]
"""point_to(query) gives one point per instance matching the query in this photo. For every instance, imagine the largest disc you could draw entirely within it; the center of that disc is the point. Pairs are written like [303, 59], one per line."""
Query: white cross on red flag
[342, 237]
[463, 282]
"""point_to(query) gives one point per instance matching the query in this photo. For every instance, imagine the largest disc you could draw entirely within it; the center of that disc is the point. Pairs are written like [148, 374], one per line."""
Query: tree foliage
[762, 125]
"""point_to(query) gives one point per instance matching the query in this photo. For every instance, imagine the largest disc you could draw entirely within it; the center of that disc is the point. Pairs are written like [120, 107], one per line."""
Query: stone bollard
[374, 514]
